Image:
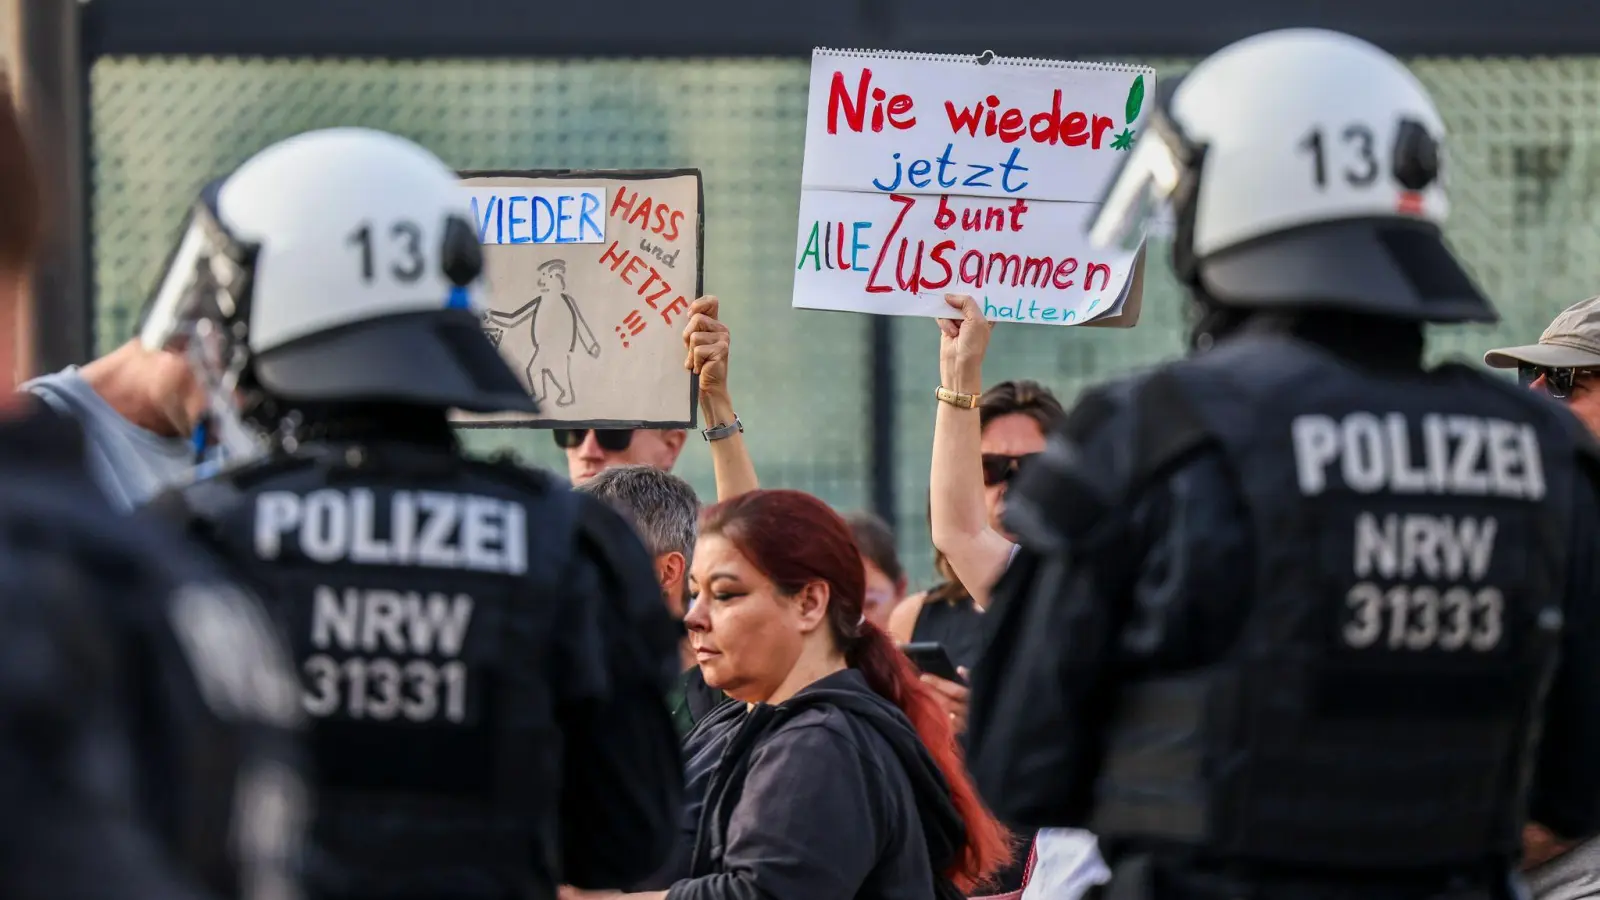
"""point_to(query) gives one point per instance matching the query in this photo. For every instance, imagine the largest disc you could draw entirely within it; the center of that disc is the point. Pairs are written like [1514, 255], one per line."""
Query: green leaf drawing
[1135, 99]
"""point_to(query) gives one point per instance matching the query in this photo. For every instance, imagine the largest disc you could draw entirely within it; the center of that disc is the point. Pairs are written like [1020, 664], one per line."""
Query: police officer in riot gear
[1298, 616]
[139, 682]
[483, 653]
[148, 715]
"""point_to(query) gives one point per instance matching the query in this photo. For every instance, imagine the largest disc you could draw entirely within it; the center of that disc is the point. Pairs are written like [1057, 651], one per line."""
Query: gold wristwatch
[964, 401]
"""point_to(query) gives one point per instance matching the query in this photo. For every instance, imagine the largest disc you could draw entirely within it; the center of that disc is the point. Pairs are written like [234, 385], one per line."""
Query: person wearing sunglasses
[995, 433]
[981, 441]
[591, 451]
[1008, 428]
[1564, 362]
[1300, 615]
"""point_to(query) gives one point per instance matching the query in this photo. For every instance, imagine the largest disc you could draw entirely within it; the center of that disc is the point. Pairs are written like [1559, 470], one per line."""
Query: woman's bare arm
[960, 527]
[708, 342]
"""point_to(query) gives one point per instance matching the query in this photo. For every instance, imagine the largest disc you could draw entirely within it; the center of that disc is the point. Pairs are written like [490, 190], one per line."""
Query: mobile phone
[930, 657]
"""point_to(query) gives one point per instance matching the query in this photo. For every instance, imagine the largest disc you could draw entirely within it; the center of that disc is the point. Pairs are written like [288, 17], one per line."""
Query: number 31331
[383, 689]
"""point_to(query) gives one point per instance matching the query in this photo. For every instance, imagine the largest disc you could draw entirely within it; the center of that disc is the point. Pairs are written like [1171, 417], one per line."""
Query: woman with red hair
[838, 775]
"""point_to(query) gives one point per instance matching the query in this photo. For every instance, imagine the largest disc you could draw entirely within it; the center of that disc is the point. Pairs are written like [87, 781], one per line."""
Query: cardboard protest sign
[590, 276]
[932, 174]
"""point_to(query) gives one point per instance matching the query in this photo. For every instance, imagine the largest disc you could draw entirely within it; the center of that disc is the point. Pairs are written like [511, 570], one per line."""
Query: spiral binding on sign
[1021, 62]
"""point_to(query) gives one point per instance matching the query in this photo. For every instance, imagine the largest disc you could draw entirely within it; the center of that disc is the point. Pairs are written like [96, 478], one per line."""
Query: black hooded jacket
[830, 794]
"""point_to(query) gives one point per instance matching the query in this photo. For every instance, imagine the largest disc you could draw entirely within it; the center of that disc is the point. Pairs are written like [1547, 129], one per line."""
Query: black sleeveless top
[957, 624]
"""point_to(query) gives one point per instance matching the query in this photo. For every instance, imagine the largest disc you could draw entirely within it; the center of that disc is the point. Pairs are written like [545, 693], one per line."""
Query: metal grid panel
[162, 128]
[1524, 173]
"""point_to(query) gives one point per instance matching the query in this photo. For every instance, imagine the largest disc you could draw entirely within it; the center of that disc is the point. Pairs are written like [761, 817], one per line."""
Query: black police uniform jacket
[1278, 608]
[484, 657]
[148, 715]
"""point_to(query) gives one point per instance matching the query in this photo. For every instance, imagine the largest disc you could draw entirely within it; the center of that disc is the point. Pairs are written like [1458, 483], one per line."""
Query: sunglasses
[613, 439]
[1558, 382]
[999, 468]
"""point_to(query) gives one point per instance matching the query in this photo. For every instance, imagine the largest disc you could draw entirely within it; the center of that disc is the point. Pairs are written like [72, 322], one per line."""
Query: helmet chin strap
[221, 425]
[199, 440]
[1210, 321]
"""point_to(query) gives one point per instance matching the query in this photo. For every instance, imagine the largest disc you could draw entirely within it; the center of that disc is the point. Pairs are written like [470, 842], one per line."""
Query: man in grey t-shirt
[138, 410]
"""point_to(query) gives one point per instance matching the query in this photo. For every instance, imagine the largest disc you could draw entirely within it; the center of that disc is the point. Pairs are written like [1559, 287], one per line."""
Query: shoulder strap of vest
[505, 469]
[196, 507]
[1117, 441]
[246, 474]
[1169, 427]
[1490, 382]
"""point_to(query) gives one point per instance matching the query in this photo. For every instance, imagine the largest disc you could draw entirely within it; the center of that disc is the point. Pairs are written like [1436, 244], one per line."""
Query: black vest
[1381, 706]
[421, 594]
[199, 683]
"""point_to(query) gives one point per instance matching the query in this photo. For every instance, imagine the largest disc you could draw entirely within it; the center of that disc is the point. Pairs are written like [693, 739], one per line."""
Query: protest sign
[590, 276]
[932, 174]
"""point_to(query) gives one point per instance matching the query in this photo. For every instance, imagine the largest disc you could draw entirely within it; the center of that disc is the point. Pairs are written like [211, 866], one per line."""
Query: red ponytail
[796, 539]
[893, 677]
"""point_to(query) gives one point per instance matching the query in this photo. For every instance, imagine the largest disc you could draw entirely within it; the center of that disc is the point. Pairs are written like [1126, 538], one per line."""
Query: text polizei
[1470, 456]
[425, 528]
[1419, 578]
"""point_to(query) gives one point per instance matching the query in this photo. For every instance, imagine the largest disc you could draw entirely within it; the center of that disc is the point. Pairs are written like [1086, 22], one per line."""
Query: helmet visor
[207, 278]
[1139, 195]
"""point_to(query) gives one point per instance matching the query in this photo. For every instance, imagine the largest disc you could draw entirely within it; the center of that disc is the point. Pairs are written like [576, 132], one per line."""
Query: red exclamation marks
[635, 323]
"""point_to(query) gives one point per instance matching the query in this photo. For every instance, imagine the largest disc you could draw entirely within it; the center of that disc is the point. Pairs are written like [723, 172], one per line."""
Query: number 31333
[383, 689]
[1424, 618]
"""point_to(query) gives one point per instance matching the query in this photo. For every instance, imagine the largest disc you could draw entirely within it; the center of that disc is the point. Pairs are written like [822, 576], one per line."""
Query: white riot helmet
[1303, 169]
[338, 266]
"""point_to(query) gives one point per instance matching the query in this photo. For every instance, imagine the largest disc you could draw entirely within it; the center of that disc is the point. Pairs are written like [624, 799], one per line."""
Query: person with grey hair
[665, 511]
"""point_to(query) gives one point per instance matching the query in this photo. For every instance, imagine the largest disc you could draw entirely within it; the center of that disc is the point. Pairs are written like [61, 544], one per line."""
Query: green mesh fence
[1524, 172]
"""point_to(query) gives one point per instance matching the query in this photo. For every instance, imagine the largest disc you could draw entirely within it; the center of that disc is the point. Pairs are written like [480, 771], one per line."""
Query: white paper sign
[932, 174]
[593, 328]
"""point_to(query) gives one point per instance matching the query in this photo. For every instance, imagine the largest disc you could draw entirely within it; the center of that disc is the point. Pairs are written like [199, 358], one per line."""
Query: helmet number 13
[408, 263]
[1361, 171]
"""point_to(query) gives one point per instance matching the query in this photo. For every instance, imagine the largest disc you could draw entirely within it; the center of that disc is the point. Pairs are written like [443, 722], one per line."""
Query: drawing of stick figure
[556, 335]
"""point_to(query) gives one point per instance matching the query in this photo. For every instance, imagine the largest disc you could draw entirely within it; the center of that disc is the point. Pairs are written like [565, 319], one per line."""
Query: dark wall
[1054, 28]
